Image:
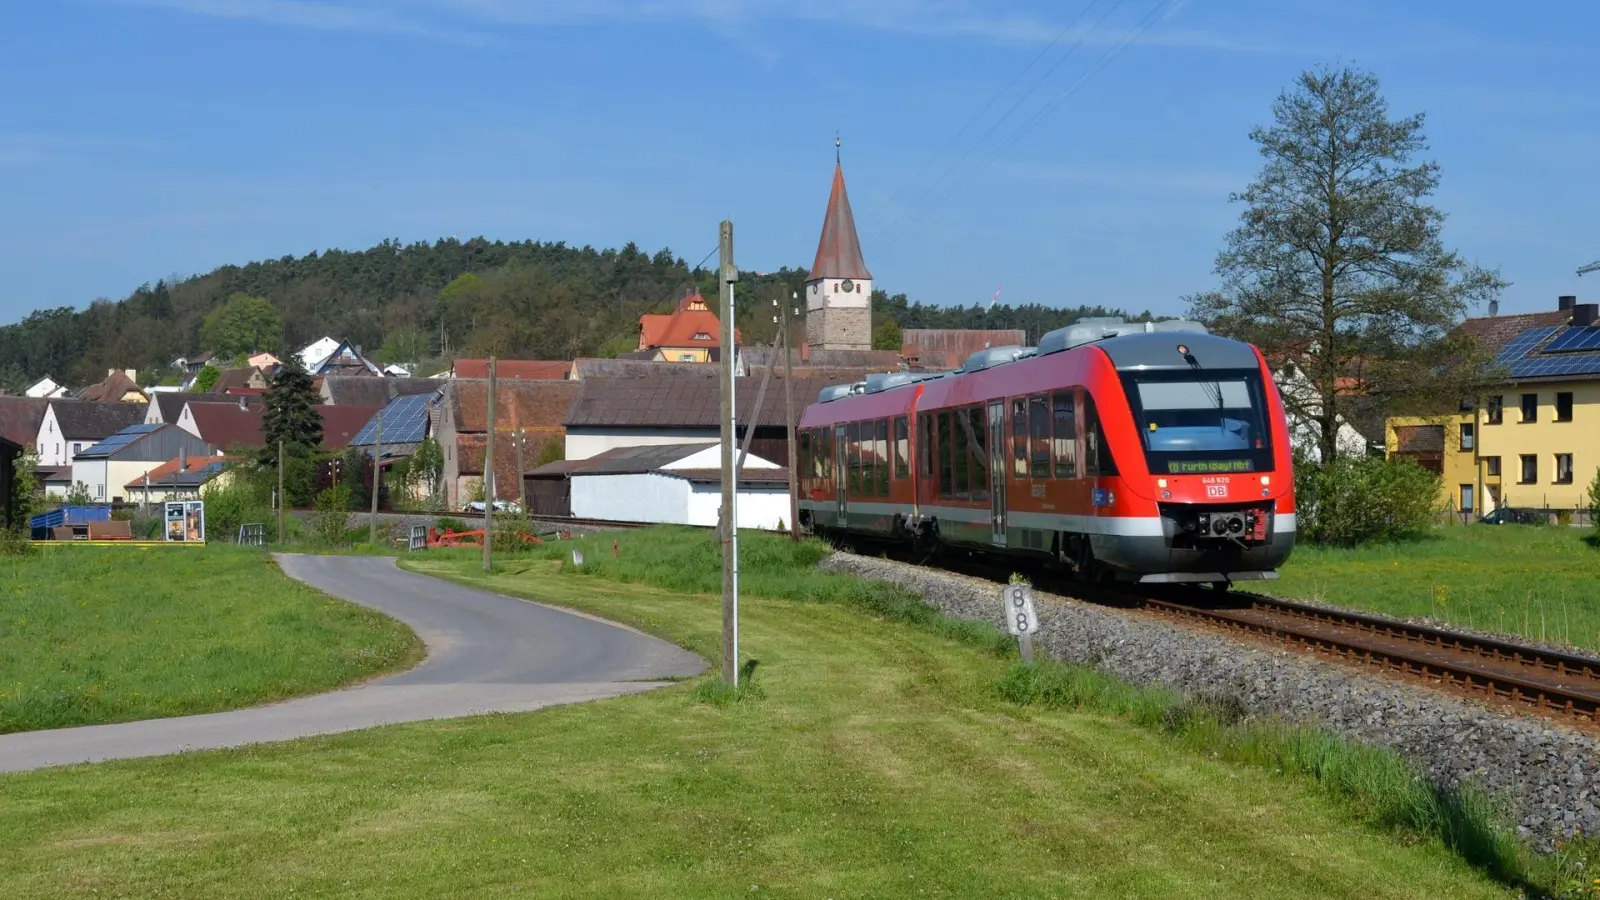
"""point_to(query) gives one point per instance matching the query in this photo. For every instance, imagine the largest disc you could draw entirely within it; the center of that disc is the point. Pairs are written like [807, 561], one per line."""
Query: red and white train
[1139, 451]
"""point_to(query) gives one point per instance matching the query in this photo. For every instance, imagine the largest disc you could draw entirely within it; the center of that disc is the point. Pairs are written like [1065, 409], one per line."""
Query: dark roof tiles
[83, 420]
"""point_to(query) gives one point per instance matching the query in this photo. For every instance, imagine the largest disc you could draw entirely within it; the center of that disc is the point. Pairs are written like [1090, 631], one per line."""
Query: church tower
[839, 293]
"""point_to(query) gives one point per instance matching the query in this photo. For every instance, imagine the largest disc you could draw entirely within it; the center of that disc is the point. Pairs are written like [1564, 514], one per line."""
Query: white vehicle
[500, 506]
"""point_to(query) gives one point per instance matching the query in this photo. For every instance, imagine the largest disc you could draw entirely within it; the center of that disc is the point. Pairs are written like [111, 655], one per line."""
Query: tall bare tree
[1337, 265]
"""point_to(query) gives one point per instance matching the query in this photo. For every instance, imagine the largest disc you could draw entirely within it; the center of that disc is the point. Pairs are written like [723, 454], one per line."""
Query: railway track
[1549, 682]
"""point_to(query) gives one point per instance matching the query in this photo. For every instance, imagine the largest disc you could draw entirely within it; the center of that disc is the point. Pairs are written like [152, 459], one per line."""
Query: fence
[419, 538]
[253, 535]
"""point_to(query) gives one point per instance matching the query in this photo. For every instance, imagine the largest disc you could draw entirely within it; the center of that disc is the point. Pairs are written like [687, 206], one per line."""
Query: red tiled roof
[686, 402]
[1419, 438]
[839, 250]
[1494, 332]
[342, 423]
[237, 378]
[949, 348]
[531, 405]
[514, 369]
[116, 386]
[224, 425]
[20, 419]
[508, 481]
[679, 329]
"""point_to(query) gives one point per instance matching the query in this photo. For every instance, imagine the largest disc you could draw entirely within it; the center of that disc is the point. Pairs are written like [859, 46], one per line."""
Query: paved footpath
[486, 653]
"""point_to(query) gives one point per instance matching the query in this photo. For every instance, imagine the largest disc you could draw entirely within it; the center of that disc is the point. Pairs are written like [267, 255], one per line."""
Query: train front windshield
[1200, 422]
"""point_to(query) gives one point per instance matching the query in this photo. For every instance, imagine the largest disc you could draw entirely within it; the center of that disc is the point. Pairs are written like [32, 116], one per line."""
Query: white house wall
[584, 443]
[631, 498]
[758, 507]
[53, 449]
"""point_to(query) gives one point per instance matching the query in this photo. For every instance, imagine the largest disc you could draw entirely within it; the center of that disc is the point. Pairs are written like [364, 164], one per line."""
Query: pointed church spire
[839, 251]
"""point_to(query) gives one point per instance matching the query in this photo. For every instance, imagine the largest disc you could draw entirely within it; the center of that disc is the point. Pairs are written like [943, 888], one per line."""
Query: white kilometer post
[1021, 620]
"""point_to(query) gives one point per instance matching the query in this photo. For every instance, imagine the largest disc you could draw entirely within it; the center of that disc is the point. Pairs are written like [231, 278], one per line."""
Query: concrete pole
[377, 483]
[729, 530]
[789, 422]
[488, 479]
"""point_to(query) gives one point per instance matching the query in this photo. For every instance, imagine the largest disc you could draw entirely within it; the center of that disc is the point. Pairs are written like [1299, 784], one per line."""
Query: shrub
[236, 500]
[1593, 499]
[333, 512]
[1364, 501]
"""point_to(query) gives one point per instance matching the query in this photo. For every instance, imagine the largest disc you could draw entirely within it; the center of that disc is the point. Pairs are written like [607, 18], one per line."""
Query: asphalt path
[485, 653]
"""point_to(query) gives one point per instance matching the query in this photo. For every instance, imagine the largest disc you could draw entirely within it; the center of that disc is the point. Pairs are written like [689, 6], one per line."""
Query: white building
[317, 352]
[110, 465]
[45, 388]
[1301, 402]
[674, 484]
[73, 425]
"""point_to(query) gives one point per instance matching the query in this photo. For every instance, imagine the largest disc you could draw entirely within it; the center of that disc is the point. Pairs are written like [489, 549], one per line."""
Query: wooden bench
[113, 530]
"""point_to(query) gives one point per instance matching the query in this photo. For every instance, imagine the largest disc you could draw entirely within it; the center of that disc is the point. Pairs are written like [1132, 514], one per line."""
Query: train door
[841, 466]
[997, 470]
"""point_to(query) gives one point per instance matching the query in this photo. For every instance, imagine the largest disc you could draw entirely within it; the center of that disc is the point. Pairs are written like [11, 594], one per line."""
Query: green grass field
[877, 759]
[111, 634]
[1513, 579]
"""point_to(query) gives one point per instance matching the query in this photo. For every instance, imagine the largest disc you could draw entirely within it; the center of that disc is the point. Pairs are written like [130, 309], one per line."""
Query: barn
[677, 484]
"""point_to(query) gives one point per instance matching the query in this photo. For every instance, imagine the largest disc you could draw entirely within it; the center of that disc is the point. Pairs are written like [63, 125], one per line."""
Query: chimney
[244, 401]
[133, 374]
[1494, 307]
[1566, 302]
[1584, 314]
[183, 460]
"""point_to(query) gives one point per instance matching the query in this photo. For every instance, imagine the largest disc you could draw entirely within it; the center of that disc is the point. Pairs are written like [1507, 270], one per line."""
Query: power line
[992, 100]
[1023, 99]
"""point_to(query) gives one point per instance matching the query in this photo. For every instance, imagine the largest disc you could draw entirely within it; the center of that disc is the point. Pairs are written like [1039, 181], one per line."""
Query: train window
[827, 451]
[803, 464]
[1039, 435]
[925, 446]
[960, 456]
[852, 442]
[946, 480]
[1097, 456]
[1019, 437]
[868, 462]
[880, 459]
[1066, 445]
[902, 454]
[980, 457]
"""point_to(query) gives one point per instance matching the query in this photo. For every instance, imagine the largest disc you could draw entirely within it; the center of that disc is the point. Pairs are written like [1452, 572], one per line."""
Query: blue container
[41, 525]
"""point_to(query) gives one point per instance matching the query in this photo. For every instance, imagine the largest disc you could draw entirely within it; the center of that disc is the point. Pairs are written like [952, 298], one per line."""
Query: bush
[1594, 502]
[1364, 501]
[333, 512]
[239, 499]
[448, 524]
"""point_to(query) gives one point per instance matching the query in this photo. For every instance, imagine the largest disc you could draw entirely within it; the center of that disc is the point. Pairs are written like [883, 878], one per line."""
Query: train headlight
[1266, 480]
[1161, 482]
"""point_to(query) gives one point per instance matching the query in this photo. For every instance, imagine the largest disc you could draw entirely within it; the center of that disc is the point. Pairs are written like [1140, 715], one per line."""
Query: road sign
[1020, 616]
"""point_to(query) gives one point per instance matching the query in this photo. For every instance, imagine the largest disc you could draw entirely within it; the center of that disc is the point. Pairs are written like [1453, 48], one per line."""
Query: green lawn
[111, 634]
[1513, 579]
[880, 761]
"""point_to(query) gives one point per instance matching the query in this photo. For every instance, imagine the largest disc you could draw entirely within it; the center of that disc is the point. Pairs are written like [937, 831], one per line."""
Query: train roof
[1157, 350]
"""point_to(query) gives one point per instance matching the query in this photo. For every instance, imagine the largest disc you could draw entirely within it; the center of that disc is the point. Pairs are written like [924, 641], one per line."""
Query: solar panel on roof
[405, 421]
[119, 440]
[1575, 339]
[1519, 346]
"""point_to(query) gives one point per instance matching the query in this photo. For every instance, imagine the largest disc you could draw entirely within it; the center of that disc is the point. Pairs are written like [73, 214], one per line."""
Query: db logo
[1216, 490]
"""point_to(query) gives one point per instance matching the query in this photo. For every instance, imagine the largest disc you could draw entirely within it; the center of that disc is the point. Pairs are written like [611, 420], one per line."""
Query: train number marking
[1038, 490]
[1217, 491]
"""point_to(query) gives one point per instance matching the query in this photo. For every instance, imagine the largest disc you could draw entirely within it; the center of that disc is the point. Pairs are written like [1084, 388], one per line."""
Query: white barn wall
[758, 507]
[631, 498]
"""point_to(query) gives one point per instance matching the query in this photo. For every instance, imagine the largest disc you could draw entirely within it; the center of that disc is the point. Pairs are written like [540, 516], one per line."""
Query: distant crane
[1591, 267]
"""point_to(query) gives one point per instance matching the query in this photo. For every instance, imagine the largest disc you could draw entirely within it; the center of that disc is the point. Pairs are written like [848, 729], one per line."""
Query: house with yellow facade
[690, 333]
[1533, 442]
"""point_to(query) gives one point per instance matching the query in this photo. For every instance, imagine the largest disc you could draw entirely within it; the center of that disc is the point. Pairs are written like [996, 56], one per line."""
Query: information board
[186, 521]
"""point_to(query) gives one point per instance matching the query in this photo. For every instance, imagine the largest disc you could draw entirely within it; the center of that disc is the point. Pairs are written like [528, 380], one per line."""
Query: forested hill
[407, 302]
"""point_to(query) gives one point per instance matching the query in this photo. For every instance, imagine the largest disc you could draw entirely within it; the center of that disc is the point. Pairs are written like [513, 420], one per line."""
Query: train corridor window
[1039, 435]
[946, 463]
[852, 442]
[1065, 437]
[1097, 456]
[925, 446]
[1019, 437]
[977, 440]
[961, 456]
[902, 449]
[880, 459]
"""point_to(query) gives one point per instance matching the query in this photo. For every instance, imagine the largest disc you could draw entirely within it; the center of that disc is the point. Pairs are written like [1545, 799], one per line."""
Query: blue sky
[146, 138]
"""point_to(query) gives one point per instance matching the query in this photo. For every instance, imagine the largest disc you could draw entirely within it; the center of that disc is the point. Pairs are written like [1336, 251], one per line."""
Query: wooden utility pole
[282, 501]
[729, 519]
[488, 479]
[789, 423]
[377, 483]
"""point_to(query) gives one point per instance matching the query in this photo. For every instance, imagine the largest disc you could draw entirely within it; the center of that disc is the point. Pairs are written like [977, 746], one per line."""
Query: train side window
[1019, 437]
[802, 465]
[880, 459]
[978, 439]
[1097, 456]
[852, 445]
[1066, 444]
[868, 464]
[828, 451]
[925, 446]
[1039, 435]
[946, 479]
[961, 456]
[902, 454]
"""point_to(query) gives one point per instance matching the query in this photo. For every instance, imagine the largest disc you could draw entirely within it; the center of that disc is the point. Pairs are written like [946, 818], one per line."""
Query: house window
[100, 492]
[1467, 434]
[1491, 466]
[1066, 446]
[1564, 406]
[1530, 408]
[1466, 498]
[1530, 469]
[685, 357]
[902, 455]
[1496, 409]
[1563, 468]
[701, 336]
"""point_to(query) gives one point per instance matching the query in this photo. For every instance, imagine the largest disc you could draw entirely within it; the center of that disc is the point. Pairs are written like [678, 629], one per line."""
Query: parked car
[1506, 515]
[501, 506]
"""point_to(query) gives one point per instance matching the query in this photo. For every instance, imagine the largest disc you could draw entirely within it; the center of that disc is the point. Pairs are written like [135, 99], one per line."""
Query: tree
[403, 345]
[206, 379]
[27, 498]
[77, 495]
[1337, 263]
[887, 335]
[427, 465]
[291, 415]
[243, 325]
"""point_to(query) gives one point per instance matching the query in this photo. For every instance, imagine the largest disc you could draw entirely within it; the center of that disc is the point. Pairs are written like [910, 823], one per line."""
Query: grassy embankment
[1512, 579]
[91, 635]
[879, 757]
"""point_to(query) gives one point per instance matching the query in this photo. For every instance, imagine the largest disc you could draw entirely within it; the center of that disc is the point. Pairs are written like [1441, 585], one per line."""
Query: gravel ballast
[1547, 773]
